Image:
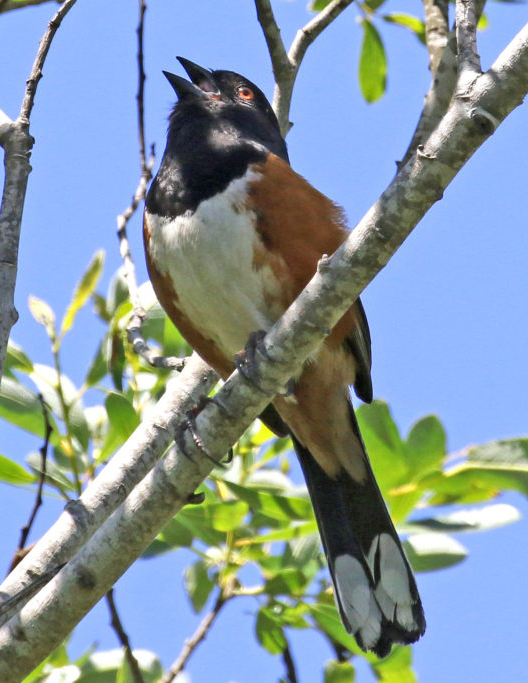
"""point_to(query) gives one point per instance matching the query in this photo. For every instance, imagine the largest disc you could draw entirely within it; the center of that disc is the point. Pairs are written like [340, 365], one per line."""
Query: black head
[233, 106]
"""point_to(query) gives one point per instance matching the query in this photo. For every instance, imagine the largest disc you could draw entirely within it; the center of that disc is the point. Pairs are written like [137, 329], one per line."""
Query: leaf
[329, 620]
[287, 582]
[270, 633]
[16, 359]
[396, 668]
[384, 445]
[426, 445]
[483, 519]
[275, 506]
[46, 379]
[288, 533]
[13, 473]
[430, 551]
[372, 63]
[198, 585]
[21, 407]
[504, 451]
[43, 314]
[339, 672]
[225, 516]
[54, 474]
[83, 291]
[123, 421]
[99, 365]
[407, 21]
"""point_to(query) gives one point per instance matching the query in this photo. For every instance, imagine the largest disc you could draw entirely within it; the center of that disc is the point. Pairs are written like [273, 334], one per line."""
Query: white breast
[209, 255]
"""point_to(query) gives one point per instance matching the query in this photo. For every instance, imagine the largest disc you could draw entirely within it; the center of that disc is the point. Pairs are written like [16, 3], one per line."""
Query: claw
[246, 365]
[189, 424]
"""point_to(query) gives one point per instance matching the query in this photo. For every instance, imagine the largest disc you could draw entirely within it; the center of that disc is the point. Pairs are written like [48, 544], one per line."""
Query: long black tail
[374, 585]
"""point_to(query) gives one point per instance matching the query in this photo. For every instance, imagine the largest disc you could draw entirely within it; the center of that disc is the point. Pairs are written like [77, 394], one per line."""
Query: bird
[232, 235]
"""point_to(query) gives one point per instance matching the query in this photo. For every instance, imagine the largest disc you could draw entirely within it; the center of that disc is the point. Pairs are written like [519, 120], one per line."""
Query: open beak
[202, 82]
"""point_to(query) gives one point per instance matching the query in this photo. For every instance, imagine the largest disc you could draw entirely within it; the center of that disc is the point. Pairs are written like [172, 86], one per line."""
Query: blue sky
[448, 315]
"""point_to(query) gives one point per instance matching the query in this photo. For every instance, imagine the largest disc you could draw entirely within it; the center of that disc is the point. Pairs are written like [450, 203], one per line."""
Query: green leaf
[339, 672]
[270, 633]
[274, 506]
[372, 63]
[384, 445]
[225, 516]
[99, 365]
[318, 5]
[396, 668]
[329, 620]
[21, 407]
[483, 22]
[43, 314]
[426, 445]
[176, 535]
[407, 21]
[287, 582]
[46, 379]
[123, 421]
[430, 551]
[13, 473]
[54, 473]
[288, 533]
[16, 359]
[83, 291]
[198, 585]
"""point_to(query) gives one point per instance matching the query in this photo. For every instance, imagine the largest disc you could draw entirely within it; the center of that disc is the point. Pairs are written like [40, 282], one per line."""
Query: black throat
[206, 150]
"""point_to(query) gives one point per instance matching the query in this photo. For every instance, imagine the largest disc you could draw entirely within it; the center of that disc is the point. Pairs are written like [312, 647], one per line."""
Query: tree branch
[127, 467]
[8, 5]
[201, 632]
[17, 144]
[436, 30]
[123, 638]
[40, 625]
[291, 673]
[467, 55]
[286, 65]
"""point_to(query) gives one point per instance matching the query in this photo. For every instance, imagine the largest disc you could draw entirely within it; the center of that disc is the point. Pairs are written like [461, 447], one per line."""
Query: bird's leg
[190, 424]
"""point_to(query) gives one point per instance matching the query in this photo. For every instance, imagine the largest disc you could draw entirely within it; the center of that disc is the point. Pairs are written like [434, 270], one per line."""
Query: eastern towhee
[232, 235]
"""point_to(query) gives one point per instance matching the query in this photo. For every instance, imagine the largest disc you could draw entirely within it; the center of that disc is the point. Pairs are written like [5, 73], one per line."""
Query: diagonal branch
[200, 634]
[40, 626]
[123, 638]
[286, 65]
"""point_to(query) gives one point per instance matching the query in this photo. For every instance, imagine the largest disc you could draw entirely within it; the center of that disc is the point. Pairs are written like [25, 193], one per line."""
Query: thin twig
[286, 65]
[24, 533]
[291, 674]
[201, 632]
[466, 32]
[123, 638]
[36, 71]
[135, 336]
[145, 170]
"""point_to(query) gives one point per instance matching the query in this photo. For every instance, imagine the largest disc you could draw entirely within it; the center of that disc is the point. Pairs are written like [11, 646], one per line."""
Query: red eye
[245, 93]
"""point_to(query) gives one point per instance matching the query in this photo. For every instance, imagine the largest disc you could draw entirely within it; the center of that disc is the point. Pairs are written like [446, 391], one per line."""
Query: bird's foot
[245, 363]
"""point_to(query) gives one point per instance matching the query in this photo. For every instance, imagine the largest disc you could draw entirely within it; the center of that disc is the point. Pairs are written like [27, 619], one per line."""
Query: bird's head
[232, 104]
